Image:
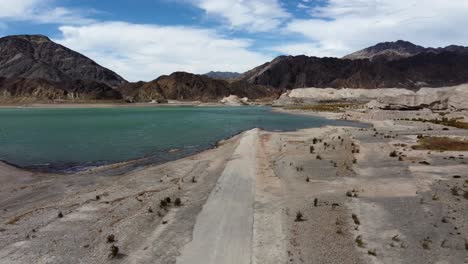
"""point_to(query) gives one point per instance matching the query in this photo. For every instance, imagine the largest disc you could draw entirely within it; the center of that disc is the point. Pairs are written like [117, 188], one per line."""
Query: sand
[240, 201]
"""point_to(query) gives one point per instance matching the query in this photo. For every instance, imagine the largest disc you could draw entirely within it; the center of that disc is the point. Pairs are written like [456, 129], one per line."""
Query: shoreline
[353, 196]
[137, 162]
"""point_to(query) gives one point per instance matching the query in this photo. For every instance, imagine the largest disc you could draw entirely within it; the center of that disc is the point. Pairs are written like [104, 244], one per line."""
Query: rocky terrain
[401, 65]
[223, 75]
[188, 86]
[34, 67]
[399, 50]
[446, 98]
[322, 195]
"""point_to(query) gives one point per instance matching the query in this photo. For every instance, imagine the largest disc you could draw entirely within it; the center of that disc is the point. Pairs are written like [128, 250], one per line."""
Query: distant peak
[388, 51]
[37, 38]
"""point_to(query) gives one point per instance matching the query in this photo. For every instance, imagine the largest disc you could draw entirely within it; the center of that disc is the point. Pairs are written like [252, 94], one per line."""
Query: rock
[445, 98]
[234, 100]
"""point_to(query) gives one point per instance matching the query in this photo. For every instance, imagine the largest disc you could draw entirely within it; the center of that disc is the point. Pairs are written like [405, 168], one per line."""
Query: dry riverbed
[322, 195]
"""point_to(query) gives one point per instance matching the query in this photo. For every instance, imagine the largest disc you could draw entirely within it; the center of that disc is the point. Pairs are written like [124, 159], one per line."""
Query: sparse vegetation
[356, 219]
[110, 238]
[178, 202]
[315, 202]
[360, 243]
[372, 252]
[335, 108]
[352, 193]
[163, 204]
[114, 251]
[393, 154]
[60, 214]
[455, 190]
[319, 157]
[441, 144]
[453, 122]
[426, 243]
[299, 217]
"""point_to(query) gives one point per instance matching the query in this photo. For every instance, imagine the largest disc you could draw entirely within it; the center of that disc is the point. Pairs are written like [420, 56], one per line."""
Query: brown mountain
[388, 51]
[193, 87]
[399, 50]
[141, 92]
[431, 68]
[40, 90]
[33, 66]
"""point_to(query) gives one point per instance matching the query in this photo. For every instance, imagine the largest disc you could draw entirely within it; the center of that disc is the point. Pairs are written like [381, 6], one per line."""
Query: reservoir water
[72, 139]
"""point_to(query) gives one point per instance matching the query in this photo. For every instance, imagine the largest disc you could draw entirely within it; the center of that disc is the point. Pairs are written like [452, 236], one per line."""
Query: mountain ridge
[412, 67]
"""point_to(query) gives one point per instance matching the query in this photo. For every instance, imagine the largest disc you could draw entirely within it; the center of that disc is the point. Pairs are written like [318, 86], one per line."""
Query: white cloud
[250, 15]
[143, 52]
[343, 26]
[41, 11]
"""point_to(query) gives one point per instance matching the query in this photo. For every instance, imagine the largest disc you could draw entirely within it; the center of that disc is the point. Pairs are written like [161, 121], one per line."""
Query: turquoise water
[60, 139]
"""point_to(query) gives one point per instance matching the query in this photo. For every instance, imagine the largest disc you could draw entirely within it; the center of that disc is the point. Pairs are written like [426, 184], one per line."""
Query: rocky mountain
[187, 86]
[41, 90]
[141, 92]
[399, 50]
[222, 75]
[431, 67]
[34, 66]
[37, 57]
[387, 51]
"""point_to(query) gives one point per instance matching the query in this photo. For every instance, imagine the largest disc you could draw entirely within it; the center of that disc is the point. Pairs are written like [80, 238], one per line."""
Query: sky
[143, 39]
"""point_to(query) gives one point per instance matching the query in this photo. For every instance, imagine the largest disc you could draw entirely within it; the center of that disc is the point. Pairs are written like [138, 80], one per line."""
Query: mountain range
[34, 68]
[223, 75]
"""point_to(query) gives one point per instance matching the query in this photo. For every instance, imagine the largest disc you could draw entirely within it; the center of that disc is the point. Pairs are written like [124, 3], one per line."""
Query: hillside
[413, 69]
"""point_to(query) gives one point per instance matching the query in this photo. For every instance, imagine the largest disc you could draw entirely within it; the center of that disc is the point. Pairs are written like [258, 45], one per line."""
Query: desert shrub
[114, 251]
[356, 219]
[299, 216]
[110, 238]
[393, 154]
[359, 241]
[178, 202]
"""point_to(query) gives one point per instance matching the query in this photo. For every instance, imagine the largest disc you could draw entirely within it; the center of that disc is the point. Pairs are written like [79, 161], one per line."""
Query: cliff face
[33, 66]
[37, 57]
[31, 90]
[430, 69]
[141, 92]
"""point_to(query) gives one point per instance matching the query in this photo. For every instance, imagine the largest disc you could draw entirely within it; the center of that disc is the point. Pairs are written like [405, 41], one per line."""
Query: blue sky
[143, 39]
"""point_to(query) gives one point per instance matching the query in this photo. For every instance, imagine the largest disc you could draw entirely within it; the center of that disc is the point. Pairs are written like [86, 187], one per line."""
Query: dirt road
[223, 230]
